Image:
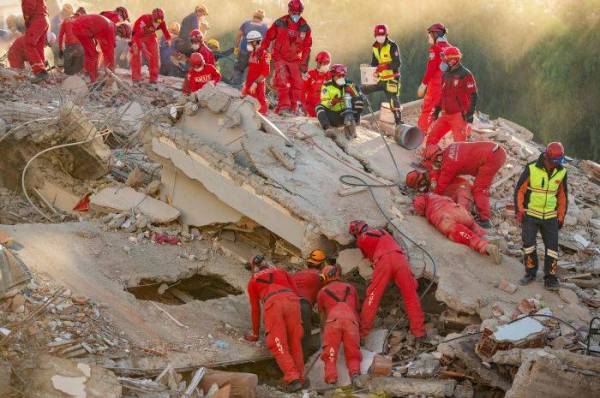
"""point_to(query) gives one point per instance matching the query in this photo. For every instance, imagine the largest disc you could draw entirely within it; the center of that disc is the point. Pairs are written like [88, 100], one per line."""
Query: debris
[425, 366]
[169, 315]
[401, 387]
[507, 286]
[243, 385]
[135, 178]
[198, 375]
[350, 259]
[5, 371]
[13, 272]
[381, 366]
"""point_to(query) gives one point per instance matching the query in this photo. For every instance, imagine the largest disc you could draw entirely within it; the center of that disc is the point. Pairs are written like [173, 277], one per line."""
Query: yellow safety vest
[383, 55]
[543, 191]
[329, 91]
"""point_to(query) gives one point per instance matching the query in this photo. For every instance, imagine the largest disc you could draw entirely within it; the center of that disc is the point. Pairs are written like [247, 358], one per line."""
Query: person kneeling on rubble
[389, 263]
[339, 305]
[17, 52]
[199, 74]
[277, 291]
[339, 100]
[455, 222]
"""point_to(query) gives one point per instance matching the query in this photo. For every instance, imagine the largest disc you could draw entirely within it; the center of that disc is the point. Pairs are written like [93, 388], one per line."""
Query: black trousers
[391, 89]
[239, 68]
[549, 230]
[328, 118]
[306, 314]
[73, 57]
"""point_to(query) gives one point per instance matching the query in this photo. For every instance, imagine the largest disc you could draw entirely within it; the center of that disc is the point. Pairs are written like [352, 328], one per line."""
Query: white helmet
[253, 35]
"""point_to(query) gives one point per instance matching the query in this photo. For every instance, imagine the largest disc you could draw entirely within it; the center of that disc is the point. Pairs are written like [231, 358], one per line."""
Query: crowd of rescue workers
[452, 183]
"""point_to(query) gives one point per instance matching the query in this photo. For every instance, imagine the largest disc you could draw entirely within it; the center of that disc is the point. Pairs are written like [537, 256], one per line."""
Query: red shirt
[94, 26]
[111, 16]
[309, 283]
[197, 79]
[258, 65]
[312, 85]
[263, 283]
[33, 8]
[433, 73]
[457, 87]
[66, 36]
[338, 300]
[144, 27]
[375, 243]
[292, 41]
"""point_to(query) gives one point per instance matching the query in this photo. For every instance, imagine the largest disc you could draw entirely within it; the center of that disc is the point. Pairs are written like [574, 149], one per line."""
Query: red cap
[295, 6]
[323, 57]
[380, 30]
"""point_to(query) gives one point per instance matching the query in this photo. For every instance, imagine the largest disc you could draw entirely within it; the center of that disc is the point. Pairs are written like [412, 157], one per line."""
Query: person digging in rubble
[69, 48]
[541, 201]
[455, 222]
[258, 71]
[95, 30]
[119, 15]
[292, 40]
[145, 42]
[338, 97]
[386, 58]
[431, 85]
[17, 52]
[457, 101]
[35, 14]
[389, 263]
[339, 306]
[481, 160]
[200, 73]
[276, 290]
[460, 190]
[316, 78]
[308, 282]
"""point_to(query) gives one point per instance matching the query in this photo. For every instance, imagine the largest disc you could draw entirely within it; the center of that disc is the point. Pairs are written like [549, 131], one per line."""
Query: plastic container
[367, 75]
[409, 137]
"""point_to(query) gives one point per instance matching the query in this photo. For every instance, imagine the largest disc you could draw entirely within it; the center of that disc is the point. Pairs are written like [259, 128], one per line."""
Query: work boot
[152, 86]
[494, 252]
[551, 284]
[487, 224]
[355, 381]
[526, 280]
[40, 77]
[330, 132]
[294, 386]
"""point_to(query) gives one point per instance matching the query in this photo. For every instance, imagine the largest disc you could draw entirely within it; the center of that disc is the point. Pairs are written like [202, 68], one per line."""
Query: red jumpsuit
[209, 59]
[66, 36]
[339, 302]
[433, 80]
[197, 79]
[92, 30]
[258, 67]
[17, 53]
[389, 263]
[308, 282]
[458, 98]
[111, 16]
[480, 159]
[452, 220]
[283, 324]
[36, 23]
[144, 41]
[291, 51]
[460, 191]
[311, 97]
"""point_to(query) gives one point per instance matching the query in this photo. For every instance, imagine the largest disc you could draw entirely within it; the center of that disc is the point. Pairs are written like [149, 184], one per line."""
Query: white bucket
[385, 113]
[367, 75]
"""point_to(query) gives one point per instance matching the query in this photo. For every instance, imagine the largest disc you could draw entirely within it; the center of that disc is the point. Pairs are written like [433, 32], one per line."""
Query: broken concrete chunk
[74, 85]
[286, 156]
[402, 387]
[351, 259]
[507, 286]
[518, 331]
[115, 199]
[13, 272]
[381, 366]
[424, 366]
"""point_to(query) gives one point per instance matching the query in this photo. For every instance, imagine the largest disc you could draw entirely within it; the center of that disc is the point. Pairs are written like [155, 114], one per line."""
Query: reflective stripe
[543, 190]
[551, 253]
[529, 250]
[383, 55]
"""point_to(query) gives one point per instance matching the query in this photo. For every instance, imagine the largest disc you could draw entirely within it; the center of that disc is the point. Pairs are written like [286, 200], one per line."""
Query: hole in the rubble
[197, 287]
[267, 370]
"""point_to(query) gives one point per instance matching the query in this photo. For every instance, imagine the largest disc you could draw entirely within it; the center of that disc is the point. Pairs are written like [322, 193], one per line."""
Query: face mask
[324, 68]
[198, 68]
[202, 19]
[295, 18]
[340, 81]
[443, 67]
[380, 39]
[250, 48]
[195, 46]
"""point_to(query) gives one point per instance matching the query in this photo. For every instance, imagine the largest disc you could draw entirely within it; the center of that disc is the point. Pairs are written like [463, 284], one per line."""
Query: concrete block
[74, 85]
[350, 259]
[381, 366]
[58, 196]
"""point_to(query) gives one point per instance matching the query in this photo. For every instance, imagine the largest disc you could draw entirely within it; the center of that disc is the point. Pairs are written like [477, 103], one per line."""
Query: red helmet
[555, 152]
[339, 70]
[122, 11]
[196, 59]
[380, 30]
[432, 152]
[196, 35]
[323, 57]
[452, 53]
[437, 28]
[295, 6]
[330, 273]
[356, 227]
[158, 14]
[415, 179]
[124, 30]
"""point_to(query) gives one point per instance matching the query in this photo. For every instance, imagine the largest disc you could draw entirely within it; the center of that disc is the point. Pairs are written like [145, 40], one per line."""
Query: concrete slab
[74, 85]
[350, 259]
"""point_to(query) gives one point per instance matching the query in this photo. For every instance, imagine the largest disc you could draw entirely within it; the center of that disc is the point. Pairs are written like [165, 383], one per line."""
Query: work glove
[236, 51]
[303, 68]
[436, 113]
[251, 337]
[560, 223]
[61, 53]
[468, 117]
[421, 91]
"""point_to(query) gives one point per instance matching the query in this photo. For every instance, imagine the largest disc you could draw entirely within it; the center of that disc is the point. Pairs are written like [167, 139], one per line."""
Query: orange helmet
[316, 257]
[416, 179]
[451, 55]
[330, 273]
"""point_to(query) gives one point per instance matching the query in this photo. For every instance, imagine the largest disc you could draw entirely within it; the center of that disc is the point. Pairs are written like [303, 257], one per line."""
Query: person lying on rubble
[459, 190]
[316, 78]
[308, 282]
[200, 73]
[258, 71]
[455, 222]
[389, 263]
[338, 97]
[482, 160]
[276, 290]
[17, 52]
[339, 305]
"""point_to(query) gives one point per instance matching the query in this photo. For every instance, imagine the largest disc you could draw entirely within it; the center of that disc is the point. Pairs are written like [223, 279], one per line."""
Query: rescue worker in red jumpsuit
[481, 160]
[339, 306]
[457, 102]
[276, 290]
[431, 85]
[386, 57]
[459, 190]
[17, 52]
[120, 14]
[292, 40]
[197, 45]
[308, 282]
[389, 263]
[144, 41]
[311, 96]
[93, 30]
[455, 222]
[258, 71]
[35, 14]
[69, 48]
[200, 73]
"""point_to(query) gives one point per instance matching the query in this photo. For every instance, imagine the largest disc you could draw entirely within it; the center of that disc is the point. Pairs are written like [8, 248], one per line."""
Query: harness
[336, 298]
[270, 282]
